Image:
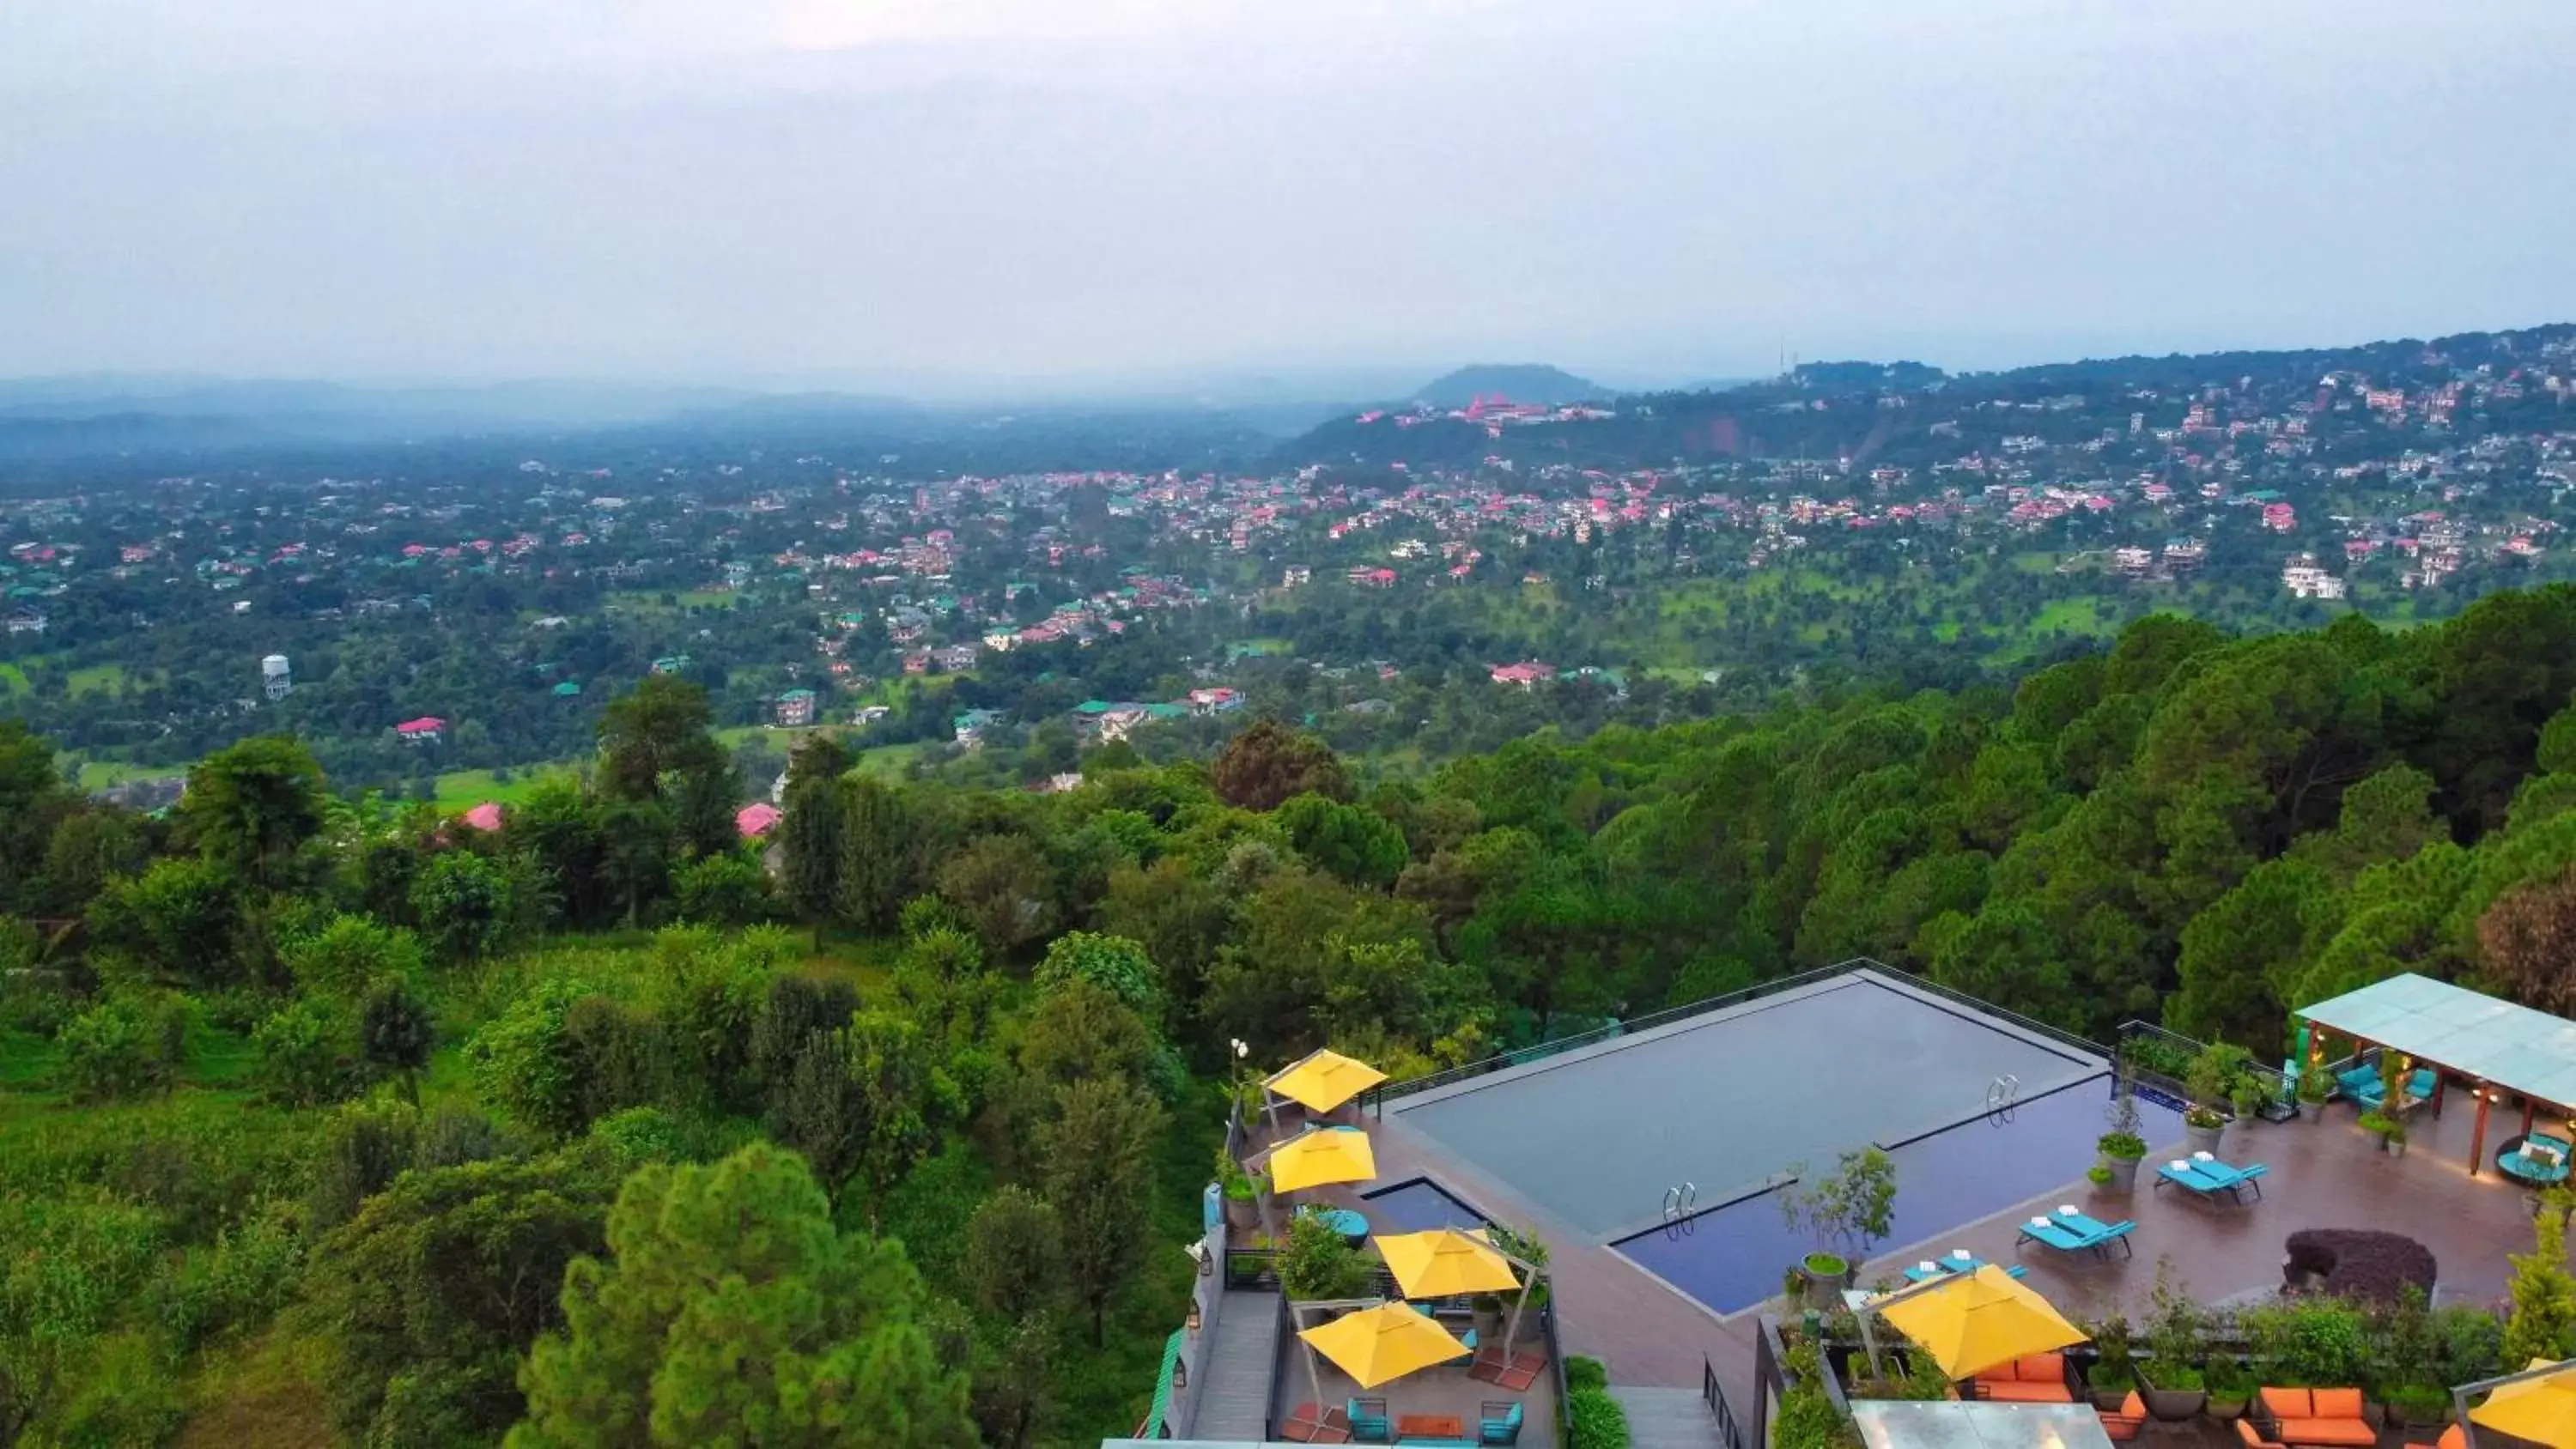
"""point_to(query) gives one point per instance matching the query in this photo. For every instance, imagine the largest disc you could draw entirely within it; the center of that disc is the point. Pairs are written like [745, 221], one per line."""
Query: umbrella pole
[1512, 1331]
[1314, 1372]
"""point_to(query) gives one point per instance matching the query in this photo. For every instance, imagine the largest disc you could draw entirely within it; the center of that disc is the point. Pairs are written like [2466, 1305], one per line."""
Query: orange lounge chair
[2124, 1425]
[2035, 1378]
[2453, 1437]
[2317, 1418]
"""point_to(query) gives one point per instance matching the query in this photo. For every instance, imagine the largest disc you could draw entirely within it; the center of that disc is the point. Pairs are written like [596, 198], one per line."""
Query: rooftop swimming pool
[1731, 1257]
[1730, 1100]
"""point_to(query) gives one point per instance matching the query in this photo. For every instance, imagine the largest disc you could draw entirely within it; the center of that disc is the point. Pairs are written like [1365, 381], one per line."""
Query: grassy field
[892, 760]
[13, 680]
[95, 679]
[465, 789]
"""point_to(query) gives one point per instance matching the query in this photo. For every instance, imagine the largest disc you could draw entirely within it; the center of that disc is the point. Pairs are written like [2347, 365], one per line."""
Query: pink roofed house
[486, 816]
[756, 820]
[424, 730]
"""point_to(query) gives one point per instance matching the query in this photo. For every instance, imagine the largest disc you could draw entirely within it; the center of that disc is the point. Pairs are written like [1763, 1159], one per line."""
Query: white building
[2305, 580]
[275, 679]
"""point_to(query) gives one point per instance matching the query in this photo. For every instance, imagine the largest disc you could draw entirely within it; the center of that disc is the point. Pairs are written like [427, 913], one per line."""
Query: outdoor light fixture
[1180, 1376]
[1191, 1322]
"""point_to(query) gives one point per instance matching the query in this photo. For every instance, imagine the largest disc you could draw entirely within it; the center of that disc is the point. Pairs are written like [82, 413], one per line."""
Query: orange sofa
[2316, 1419]
[2452, 1438]
[2035, 1378]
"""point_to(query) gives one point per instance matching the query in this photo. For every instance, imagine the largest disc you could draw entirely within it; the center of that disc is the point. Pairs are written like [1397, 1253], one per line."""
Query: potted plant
[2211, 1084]
[2121, 1152]
[2122, 1147]
[2379, 1125]
[2170, 1381]
[1242, 1203]
[2114, 1371]
[2314, 1087]
[2245, 1095]
[2394, 1136]
[2230, 1386]
[1845, 1212]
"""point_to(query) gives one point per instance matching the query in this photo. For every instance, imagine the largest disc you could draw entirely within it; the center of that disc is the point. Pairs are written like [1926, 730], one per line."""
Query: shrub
[1585, 1373]
[127, 1392]
[1317, 1264]
[365, 1148]
[123, 1047]
[2543, 1322]
[2359, 1263]
[1595, 1420]
[2315, 1341]
[240, 1279]
[725, 890]
[307, 1054]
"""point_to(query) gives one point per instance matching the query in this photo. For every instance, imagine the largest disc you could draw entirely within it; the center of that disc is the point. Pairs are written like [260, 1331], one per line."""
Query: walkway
[1235, 1405]
[1667, 1418]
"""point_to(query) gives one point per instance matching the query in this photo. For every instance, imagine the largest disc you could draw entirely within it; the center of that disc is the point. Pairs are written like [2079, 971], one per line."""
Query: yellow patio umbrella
[2541, 1409]
[1319, 1158]
[1445, 1262]
[1974, 1321]
[1387, 1342]
[1324, 1079]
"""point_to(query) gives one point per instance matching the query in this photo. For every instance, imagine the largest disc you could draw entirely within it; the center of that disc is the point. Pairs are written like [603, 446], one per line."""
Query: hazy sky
[913, 193]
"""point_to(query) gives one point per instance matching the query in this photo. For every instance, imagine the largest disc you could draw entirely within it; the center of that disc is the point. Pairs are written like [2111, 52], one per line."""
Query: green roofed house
[796, 709]
[569, 689]
[1094, 707]
[670, 664]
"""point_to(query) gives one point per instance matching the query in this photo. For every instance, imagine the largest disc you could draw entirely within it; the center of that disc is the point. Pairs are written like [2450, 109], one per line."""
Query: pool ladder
[1678, 1201]
[2002, 1092]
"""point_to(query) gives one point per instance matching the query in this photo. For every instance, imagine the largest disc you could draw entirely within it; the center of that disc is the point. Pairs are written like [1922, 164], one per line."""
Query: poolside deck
[2323, 1173]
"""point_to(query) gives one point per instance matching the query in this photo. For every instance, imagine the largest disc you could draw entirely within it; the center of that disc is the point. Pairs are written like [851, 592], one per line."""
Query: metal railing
[1715, 1394]
[1376, 1098]
[2277, 1103]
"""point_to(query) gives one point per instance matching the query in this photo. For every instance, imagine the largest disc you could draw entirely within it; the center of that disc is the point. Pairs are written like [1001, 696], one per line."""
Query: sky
[918, 195]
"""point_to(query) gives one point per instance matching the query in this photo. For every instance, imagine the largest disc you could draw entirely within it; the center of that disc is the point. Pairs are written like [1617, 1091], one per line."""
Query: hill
[1528, 382]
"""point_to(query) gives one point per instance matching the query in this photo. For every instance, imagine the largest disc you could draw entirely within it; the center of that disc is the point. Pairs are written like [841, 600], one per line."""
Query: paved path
[1235, 1407]
[1667, 1418]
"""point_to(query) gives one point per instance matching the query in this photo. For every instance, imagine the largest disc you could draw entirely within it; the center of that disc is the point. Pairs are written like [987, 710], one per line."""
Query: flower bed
[2356, 1263]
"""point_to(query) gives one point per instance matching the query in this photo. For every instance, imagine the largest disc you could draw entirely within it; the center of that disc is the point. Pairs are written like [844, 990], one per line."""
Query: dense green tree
[1097, 1162]
[1004, 889]
[1013, 1246]
[874, 873]
[464, 906]
[396, 1033]
[423, 1303]
[255, 802]
[731, 1311]
[1269, 763]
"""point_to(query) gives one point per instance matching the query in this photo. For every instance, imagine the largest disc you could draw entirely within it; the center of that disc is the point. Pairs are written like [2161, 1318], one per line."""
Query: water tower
[274, 677]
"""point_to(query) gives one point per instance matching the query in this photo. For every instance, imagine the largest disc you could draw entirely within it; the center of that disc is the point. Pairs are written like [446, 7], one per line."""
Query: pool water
[1418, 1205]
[1733, 1256]
[1729, 1100]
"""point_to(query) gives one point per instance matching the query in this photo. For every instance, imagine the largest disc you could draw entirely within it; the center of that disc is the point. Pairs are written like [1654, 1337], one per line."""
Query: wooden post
[2527, 1109]
[2478, 1134]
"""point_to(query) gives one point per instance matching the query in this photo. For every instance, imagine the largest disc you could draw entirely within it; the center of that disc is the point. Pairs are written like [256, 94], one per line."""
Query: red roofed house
[756, 820]
[1523, 675]
[424, 730]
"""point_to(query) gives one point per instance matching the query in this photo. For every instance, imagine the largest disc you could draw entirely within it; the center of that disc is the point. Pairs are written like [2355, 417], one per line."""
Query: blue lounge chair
[2210, 1178]
[1499, 1422]
[2070, 1232]
[2542, 1168]
[1370, 1423]
[1948, 1264]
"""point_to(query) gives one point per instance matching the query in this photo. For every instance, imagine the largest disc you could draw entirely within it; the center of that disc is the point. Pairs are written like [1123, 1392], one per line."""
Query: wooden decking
[1237, 1397]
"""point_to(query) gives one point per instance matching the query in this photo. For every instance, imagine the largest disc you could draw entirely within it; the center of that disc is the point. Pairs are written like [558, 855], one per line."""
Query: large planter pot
[1826, 1277]
[2224, 1409]
[2170, 1406]
[2124, 1173]
[1242, 1212]
[2202, 1139]
[2397, 1147]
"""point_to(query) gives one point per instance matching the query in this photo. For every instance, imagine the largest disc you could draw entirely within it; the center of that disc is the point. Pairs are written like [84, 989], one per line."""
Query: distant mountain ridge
[1529, 382]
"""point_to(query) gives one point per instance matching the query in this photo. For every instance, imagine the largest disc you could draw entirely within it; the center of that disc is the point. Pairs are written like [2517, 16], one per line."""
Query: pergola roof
[2528, 1052]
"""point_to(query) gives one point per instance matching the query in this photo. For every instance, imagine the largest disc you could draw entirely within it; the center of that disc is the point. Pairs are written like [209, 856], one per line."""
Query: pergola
[2495, 1046]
